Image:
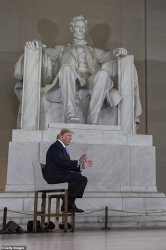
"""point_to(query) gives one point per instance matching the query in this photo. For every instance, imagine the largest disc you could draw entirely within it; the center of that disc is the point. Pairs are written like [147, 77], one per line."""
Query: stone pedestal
[121, 162]
[123, 175]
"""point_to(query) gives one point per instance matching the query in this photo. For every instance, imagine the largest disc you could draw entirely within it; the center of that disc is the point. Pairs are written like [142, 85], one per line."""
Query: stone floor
[85, 240]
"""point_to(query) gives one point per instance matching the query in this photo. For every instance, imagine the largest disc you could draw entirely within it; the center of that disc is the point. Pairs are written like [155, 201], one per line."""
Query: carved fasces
[31, 86]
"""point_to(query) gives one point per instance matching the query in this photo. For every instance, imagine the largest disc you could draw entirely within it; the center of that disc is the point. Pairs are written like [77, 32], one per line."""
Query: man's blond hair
[63, 131]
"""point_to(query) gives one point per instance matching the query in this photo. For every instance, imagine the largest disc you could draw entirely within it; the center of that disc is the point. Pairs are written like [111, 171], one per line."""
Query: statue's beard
[79, 37]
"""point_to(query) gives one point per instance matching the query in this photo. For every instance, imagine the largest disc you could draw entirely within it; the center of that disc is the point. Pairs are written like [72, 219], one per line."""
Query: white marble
[94, 204]
[126, 108]
[85, 127]
[123, 175]
[142, 166]
[43, 150]
[14, 203]
[140, 194]
[114, 102]
[115, 167]
[151, 203]
[125, 209]
[20, 171]
[30, 112]
[139, 188]
[133, 204]
[89, 136]
[139, 140]
[21, 135]
[92, 134]
[110, 165]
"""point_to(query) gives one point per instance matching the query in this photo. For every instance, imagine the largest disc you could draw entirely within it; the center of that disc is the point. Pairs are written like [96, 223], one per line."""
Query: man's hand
[120, 52]
[82, 159]
[84, 162]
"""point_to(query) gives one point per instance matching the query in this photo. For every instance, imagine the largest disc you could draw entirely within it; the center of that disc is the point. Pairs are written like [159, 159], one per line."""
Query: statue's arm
[106, 56]
[137, 106]
[18, 68]
[50, 58]
[54, 53]
[102, 56]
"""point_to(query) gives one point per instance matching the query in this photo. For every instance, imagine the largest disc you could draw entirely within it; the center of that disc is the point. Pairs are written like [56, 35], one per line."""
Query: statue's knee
[66, 68]
[103, 73]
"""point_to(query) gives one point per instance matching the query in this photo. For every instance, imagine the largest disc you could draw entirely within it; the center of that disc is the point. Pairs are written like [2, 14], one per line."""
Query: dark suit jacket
[58, 162]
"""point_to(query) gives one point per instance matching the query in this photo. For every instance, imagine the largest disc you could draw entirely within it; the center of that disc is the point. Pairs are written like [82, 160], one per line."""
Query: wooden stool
[59, 213]
[41, 186]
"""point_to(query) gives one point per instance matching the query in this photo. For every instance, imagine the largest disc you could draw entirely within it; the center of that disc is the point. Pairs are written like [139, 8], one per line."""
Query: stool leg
[65, 210]
[49, 208]
[73, 222]
[35, 211]
[43, 209]
[57, 211]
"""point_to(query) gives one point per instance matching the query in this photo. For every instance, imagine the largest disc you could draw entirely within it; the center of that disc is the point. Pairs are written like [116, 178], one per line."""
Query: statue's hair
[63, 131]
[78, 18]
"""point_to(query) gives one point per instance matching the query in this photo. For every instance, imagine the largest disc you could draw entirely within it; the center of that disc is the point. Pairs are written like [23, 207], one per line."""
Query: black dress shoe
[76, 209]
[72, 209]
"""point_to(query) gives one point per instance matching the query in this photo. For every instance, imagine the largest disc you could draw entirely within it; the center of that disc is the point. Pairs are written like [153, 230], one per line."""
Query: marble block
[20, 171]
[84, 134]
[139, 140]
[142, 166]
[123, 175]
[115, 167]
[133, 203]
[89, 136]
[27, 135]
[110, 167]
[93, 134]
[11, 204]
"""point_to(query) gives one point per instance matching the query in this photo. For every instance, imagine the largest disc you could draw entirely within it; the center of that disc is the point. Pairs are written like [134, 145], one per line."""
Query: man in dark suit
[59, 169]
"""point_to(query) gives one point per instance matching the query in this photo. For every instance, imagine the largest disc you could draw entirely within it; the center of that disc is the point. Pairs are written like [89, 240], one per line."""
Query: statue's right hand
[34, 45]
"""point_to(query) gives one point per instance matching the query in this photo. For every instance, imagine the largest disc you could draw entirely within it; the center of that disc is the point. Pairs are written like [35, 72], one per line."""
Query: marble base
[120, 162]
[125, 210]
[83, 133]
[123, 175]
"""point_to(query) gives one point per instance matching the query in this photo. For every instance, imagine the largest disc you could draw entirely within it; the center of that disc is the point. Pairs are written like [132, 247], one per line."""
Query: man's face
[79, 30]
[66, 138]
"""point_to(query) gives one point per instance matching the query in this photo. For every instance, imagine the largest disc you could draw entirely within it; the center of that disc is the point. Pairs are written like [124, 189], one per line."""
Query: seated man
[77, 66]
[59, 168]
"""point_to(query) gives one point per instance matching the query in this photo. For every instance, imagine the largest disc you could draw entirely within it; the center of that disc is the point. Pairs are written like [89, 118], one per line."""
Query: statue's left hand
[34, 45]
[120, 52]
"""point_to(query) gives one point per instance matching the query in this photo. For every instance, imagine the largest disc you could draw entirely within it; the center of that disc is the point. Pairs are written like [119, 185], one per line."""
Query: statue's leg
[99, 84]
[67, 84]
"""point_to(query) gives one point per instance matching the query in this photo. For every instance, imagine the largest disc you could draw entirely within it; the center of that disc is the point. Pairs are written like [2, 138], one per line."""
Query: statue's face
[79, 29]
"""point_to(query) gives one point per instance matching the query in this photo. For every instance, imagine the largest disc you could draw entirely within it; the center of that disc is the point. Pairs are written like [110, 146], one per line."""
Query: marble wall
[138, 25]
[156, 83]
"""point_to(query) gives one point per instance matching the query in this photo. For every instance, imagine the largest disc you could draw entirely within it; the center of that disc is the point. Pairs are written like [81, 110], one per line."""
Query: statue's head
[78, 27]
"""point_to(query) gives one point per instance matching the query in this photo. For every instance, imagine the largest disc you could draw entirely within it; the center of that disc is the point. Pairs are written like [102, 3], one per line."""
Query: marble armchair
[37, 111]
